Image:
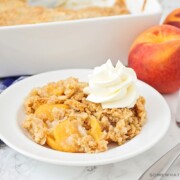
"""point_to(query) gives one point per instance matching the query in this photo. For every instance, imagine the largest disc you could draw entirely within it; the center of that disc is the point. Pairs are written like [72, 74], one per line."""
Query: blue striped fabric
[6, 82]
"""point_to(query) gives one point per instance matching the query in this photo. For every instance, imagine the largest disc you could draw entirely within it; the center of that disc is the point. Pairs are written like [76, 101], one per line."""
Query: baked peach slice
[45, 111]
[95, 130]
[53, 89]
[64, 136]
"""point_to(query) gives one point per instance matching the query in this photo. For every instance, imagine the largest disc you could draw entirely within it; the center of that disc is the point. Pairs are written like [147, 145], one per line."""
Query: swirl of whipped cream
[113, 87]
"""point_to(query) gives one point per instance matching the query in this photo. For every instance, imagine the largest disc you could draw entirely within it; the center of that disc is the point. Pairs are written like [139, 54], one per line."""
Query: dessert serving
[74, 116]
[14, 12]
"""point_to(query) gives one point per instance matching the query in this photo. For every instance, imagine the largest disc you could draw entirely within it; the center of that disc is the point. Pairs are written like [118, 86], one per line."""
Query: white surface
[158, 121]
[178, 109]
[30, 49]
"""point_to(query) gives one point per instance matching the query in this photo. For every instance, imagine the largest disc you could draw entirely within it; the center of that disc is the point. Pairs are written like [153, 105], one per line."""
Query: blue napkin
[6, 82]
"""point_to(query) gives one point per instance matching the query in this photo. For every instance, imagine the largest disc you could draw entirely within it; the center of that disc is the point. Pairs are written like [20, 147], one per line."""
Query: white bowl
[12, 115]
[30, 49]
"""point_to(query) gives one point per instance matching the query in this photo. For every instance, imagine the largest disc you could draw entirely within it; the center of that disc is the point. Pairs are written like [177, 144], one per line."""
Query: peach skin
[173, 18]
[155, 56]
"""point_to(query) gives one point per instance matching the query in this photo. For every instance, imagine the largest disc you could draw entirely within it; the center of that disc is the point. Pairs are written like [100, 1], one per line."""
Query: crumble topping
[59, 115]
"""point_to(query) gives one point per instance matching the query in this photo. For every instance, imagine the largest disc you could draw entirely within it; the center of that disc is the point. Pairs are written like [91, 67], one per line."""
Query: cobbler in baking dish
[15, 12]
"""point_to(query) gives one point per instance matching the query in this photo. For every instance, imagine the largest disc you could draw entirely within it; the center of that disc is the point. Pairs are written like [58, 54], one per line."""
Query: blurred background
[169, 5]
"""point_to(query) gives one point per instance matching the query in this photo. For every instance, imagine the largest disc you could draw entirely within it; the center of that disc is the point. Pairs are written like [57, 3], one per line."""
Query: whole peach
[155, 56]
[173, 18]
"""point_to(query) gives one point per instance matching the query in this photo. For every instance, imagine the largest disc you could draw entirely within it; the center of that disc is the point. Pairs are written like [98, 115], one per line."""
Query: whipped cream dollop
[113, 87]
[79, 4]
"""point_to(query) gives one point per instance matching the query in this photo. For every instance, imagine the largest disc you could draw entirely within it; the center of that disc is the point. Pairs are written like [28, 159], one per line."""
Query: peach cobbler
[74, 116]
[15, 12]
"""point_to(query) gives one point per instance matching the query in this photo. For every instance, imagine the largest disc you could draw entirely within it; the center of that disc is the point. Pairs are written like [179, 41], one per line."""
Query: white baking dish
[30, 49]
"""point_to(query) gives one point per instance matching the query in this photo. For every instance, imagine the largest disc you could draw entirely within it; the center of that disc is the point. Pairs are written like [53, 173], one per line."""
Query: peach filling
[66, 134]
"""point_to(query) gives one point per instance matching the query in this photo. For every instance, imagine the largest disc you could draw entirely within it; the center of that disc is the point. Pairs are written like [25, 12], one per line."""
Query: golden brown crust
[7, 5]
[118, 124]
[17, 12]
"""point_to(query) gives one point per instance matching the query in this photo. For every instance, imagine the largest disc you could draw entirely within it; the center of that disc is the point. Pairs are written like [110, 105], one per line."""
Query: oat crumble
[58, 115]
